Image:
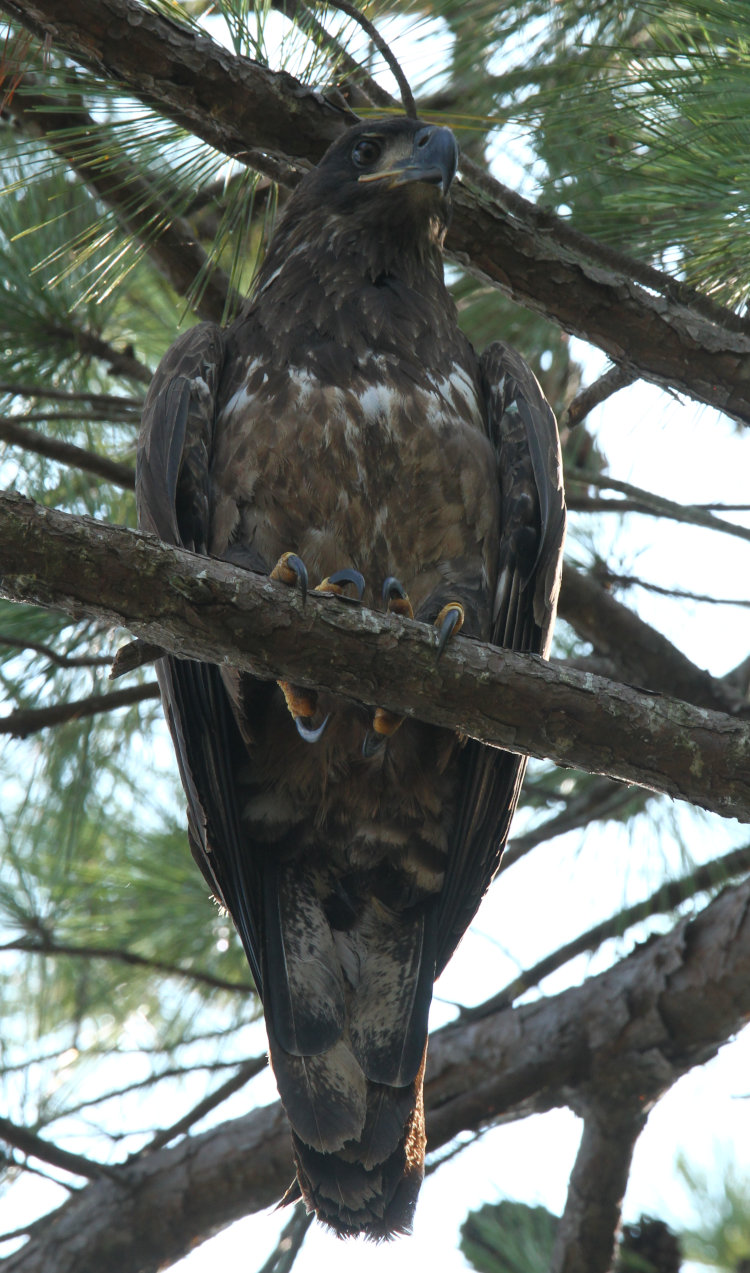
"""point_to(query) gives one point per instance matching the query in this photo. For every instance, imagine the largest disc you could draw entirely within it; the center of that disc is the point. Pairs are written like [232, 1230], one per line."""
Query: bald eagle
[343, 431]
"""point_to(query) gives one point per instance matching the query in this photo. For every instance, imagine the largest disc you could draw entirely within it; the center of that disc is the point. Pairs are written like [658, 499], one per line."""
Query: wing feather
[523, 431]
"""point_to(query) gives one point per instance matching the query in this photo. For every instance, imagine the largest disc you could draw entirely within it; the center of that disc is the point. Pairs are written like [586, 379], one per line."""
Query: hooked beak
[433, 160]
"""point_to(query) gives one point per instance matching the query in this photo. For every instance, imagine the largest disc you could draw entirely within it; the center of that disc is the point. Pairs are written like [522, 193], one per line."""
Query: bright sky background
[688, 454]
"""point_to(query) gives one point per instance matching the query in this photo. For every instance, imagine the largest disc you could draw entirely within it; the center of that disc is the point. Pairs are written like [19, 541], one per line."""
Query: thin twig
[98, 401]
[67, 453]
[22, 723]
[407, 97]
[290, 1241]
[59, 660]
[29, 1143]
[244, 1074]
[614, 378]
[632, 581]
[602, 799]
[48, 946]
[657, 505]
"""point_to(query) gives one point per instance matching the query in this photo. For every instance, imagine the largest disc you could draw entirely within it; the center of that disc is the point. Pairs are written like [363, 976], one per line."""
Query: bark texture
[199, 608]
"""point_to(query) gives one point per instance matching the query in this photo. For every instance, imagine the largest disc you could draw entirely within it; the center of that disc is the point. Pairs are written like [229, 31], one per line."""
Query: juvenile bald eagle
[344, 430]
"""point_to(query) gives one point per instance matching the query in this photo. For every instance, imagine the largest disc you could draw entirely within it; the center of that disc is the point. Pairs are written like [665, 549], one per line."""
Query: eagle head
[383, 185]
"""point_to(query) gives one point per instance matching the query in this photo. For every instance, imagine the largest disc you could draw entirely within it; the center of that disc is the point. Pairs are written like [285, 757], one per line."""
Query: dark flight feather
[345, 418]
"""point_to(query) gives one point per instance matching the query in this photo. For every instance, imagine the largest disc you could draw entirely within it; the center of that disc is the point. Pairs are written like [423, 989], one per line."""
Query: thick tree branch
[585, 1238]
[645, 1022]
[200, 608]
[656, 328]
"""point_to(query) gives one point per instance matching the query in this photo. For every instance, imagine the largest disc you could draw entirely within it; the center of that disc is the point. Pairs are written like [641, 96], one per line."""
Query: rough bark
[199, 608]
[625, 1036]
[241, 108]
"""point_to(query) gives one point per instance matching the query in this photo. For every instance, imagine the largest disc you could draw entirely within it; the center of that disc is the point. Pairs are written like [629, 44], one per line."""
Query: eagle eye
[366, 152]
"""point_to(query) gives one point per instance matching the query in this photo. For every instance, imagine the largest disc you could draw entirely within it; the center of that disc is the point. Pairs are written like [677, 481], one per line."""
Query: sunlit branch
[28, 721]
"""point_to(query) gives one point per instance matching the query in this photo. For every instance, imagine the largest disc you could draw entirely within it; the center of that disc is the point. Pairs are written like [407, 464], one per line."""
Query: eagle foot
[449, 621]
[396, 598]
[385, 723]
[336, 583]
[291, 570]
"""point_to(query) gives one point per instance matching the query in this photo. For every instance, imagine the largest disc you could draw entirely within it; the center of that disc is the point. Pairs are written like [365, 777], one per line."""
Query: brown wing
[523, 431]
[173, 497]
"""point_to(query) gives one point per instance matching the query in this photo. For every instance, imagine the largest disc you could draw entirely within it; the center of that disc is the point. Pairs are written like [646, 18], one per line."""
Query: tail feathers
[389, 1010]
[351, 1192]
[303, 981]
[325, 1096]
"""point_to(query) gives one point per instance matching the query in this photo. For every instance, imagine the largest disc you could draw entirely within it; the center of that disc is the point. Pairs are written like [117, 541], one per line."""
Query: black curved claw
[393, 587]
[310, 735]
[296, 564]
[350, 576]
[453, 619]
[373, 744]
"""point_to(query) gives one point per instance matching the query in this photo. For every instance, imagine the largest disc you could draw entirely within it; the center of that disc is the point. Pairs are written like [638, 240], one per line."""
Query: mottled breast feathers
[345, 418]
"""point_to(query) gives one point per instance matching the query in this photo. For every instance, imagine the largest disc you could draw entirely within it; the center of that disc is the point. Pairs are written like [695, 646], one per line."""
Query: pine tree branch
[14, 434]
[602, 799]
[610, 577]
[121, 362]
[586, 1235]
[642, 1024]
[243, 1075]
[29, 721]
[113, 406]
[647, 322]
[200, 608]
